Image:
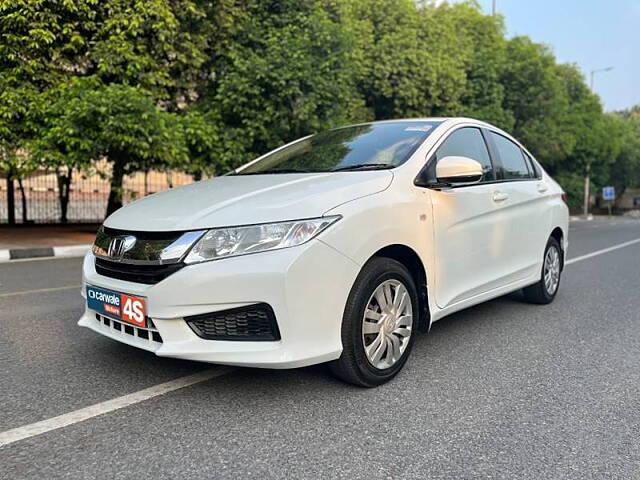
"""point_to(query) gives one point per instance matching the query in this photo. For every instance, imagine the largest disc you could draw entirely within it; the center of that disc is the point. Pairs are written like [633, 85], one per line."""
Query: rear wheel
[378, 326]
[546, 289]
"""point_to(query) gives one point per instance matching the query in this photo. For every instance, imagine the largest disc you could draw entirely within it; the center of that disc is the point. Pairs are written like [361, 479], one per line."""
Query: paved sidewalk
[32, 241]
[34, 236]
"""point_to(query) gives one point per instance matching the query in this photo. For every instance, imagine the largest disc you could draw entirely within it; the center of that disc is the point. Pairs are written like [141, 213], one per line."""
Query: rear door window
[513, 164]
[532, 165]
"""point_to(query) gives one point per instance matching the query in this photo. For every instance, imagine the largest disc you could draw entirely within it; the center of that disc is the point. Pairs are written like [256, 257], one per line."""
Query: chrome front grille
[141, 257]
[143, 248]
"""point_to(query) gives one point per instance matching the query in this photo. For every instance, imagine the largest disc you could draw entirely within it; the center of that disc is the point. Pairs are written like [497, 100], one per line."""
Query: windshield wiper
[359, 166]
[288, 170]
[364, 166]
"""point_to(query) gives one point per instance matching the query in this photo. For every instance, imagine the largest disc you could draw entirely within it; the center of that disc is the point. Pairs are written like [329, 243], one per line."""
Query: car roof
[441, 120]
[452, 121]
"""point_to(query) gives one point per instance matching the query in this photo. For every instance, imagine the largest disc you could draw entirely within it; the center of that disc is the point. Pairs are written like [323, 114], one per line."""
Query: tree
[42, 45]
[86, 121]
[285, 74]
[625, 170]
[594, 136]
[164, 49]
[206, 144]
[204, 86]
[160, 45]
[409, 63]
[15, 163]
[483, 47]
[534, 95]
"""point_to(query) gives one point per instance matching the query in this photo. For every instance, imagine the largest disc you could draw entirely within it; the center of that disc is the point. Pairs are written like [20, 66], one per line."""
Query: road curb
[9, 254]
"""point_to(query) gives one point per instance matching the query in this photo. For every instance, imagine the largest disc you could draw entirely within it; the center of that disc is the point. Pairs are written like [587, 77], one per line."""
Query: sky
[590, 33]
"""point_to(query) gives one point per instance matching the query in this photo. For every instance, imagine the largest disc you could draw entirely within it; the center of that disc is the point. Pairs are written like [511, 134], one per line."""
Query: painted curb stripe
[15, 253]
[9, 254]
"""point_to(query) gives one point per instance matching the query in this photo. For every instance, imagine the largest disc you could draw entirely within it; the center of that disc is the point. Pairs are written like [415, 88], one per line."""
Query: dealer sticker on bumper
[128, 308]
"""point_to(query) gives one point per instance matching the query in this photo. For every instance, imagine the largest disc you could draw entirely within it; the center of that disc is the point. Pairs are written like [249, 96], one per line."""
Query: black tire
[538, 292]
[353, 366]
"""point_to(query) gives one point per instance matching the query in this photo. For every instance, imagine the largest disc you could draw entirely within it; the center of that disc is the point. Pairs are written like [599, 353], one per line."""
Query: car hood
[247, 199]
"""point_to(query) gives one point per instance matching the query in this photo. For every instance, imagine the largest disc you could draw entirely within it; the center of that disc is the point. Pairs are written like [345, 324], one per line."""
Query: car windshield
[361, 147]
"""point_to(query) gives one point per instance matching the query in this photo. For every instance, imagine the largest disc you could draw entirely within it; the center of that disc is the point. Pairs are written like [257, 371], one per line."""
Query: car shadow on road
[471, 326]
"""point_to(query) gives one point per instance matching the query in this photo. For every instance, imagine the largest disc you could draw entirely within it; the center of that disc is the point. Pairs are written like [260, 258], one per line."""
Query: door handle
[542, 188]
[500, 196]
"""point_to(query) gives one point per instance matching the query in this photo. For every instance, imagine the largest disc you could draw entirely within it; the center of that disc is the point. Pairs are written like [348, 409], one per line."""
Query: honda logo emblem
[118, 246]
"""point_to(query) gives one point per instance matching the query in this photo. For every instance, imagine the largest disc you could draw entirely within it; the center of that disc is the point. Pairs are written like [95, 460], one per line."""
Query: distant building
[629, 200]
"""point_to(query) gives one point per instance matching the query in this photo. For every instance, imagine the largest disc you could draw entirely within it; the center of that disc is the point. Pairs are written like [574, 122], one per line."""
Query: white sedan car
[338, 247]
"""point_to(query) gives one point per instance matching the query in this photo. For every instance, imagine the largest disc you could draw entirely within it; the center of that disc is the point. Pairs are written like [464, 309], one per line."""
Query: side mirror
[458, 170]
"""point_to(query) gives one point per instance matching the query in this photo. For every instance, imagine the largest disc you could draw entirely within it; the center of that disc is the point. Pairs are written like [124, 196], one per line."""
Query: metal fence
[88, 195]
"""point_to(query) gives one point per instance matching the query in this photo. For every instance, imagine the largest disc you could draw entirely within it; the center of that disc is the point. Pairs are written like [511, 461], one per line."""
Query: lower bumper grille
[253, 323]
[150, 334]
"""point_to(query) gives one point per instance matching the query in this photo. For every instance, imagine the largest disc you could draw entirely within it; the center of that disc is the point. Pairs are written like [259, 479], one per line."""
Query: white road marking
[40, 290]
[600, 252]
[27, 431]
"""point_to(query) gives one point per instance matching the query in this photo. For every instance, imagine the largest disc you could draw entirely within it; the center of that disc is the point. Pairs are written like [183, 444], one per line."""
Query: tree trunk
[11, 205]
[64, 192]
[115, 194]
[23, 197]
[587, 184]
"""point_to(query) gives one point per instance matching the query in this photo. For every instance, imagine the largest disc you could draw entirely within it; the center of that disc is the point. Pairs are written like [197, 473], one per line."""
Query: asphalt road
[501, 390]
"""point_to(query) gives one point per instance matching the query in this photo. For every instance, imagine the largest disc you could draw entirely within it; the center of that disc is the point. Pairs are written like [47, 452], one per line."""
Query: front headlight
[234, 241]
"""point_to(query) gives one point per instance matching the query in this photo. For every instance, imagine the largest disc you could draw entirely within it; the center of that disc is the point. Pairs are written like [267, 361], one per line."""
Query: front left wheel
[379, 324]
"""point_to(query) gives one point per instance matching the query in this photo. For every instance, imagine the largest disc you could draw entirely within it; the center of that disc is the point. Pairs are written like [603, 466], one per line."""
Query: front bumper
[307, 287]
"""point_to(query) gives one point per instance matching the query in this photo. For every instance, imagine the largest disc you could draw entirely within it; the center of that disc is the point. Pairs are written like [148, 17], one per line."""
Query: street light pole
[493, 8]
[587, 176]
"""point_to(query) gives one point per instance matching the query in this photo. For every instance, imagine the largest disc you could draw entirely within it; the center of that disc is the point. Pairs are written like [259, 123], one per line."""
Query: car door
[469, 232]
[523, 197]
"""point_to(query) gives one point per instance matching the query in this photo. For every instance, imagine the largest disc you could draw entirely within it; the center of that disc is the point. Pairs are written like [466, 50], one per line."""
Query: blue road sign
[609, 193]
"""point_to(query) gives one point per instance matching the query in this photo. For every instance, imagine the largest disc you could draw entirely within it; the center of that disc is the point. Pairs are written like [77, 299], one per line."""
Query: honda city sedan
[338, 247]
